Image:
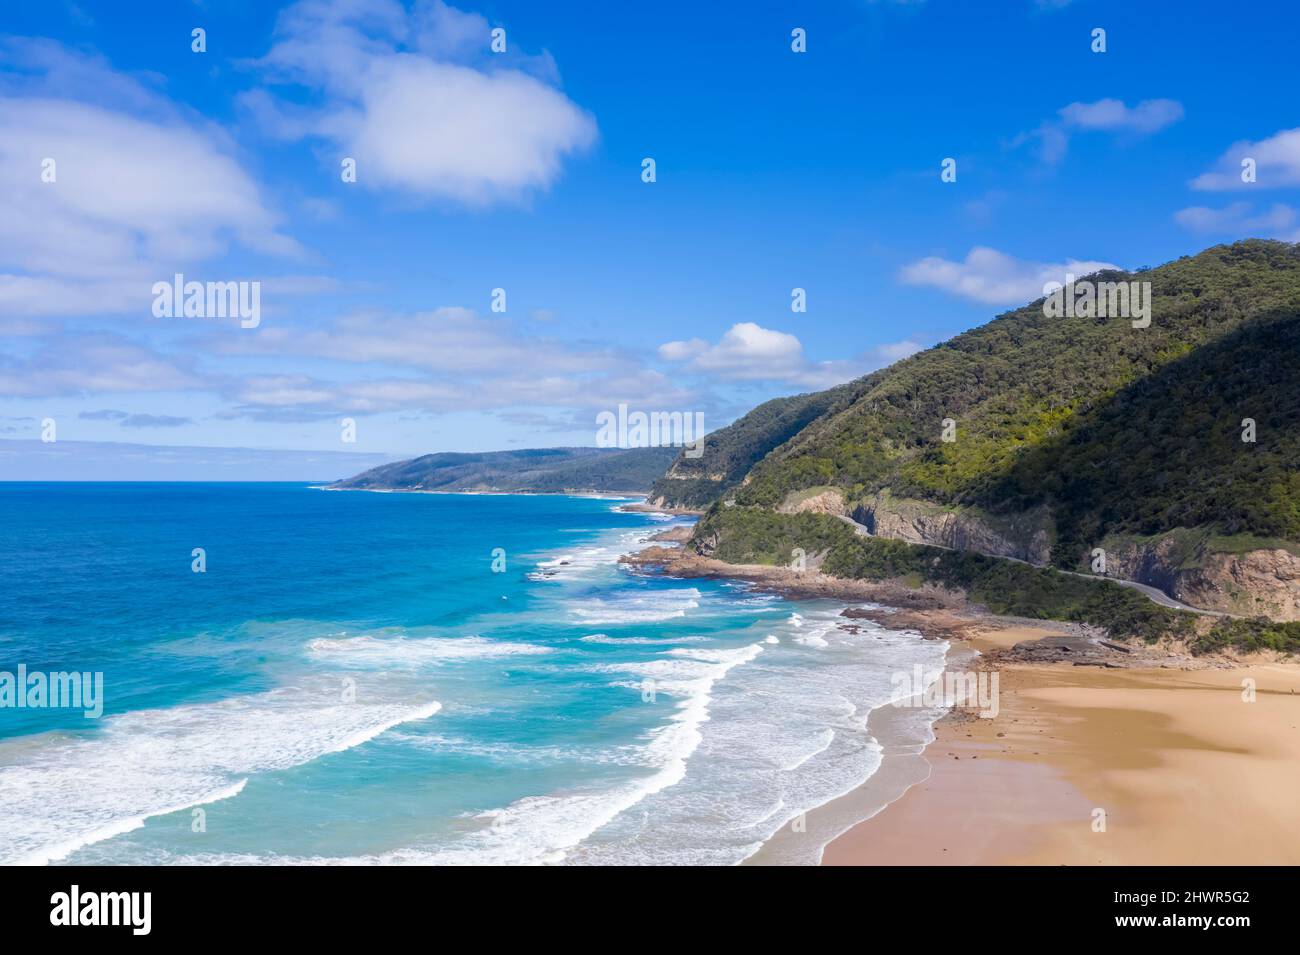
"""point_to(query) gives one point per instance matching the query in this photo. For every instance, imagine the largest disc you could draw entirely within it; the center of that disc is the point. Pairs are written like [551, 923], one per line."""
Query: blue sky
[522, 171]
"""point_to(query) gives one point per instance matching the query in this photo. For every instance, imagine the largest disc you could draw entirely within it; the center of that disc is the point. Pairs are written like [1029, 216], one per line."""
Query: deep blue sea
[351, 680]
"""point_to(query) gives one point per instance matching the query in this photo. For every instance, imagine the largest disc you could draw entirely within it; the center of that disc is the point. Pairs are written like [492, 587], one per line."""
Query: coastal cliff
[1043, 438]
[1024, 537]
[1261, 581]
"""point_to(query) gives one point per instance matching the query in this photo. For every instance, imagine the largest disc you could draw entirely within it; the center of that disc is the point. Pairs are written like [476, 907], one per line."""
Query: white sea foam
[814, 636]
[685, 671]
[651, 606]
[589, 559]
[745, 749]
[545, 829]
[75, 792]
[599, 556]
[389, 652]
[513, 754]
[637, 641]
[789, 730]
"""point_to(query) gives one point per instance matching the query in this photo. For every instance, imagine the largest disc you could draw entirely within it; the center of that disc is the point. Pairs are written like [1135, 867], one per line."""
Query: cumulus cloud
[1105, 115]
[418, 100]
[133, 194]
[749, 352]
[746, 350]
[1277, 163]
[995, 278]
[1148, 116]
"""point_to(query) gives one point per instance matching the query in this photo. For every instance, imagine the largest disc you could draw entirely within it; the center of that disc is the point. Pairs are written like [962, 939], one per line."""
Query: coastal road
[1155, 594]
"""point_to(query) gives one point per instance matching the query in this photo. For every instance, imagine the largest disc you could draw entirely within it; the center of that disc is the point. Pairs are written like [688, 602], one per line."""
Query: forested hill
[1139, 428]
[542, 470]
[1082, 432]
[729, 453]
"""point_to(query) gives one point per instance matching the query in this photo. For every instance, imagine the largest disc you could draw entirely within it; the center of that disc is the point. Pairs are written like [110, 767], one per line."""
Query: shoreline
[1157, 749]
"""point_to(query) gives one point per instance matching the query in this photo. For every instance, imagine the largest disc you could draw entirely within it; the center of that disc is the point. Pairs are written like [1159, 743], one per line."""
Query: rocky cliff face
[1022, 536]
[1264, 582]
[830, 501]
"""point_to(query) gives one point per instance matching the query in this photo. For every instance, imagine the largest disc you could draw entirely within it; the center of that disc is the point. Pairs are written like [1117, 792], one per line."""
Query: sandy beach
[1098, 754]
[1186, 771]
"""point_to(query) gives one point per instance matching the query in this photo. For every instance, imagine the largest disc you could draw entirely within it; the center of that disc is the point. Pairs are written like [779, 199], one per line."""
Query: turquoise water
[350, 680]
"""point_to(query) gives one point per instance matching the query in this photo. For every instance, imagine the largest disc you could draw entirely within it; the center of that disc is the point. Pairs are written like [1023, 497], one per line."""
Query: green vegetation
[730, 452]
[746, 535]
[546, 470]
[1167, 451]
[755, 535]
[1117, 430]
[1258, 633]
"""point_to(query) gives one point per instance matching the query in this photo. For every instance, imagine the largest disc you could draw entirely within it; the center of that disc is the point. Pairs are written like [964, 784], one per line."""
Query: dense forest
[1116, 429]
[730, 452]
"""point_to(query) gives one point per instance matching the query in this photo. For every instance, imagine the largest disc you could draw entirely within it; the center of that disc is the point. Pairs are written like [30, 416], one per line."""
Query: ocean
[367, 678]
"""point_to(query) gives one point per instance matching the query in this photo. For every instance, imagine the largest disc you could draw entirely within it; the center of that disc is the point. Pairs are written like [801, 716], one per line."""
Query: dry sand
[1186, 771]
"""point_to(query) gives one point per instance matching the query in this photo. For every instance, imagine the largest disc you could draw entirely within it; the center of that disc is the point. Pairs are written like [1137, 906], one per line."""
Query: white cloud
[419, 101]
[746, 350]
[283, 391]
[1148, 116]
[993, 277]
[683, 350]
[450, 340]
[749, 352]
[1277, 163]
[133, 197]
[447, 359]
[34, 296]
[298, 397]
[1240, 219]
[1104, 115]
[93, 364]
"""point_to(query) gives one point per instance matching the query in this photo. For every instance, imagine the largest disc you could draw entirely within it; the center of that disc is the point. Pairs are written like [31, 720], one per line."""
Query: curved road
[1155, 594]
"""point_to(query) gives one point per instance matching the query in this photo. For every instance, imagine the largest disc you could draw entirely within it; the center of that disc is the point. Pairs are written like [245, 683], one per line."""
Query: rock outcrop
[1021, 536]
[829, 501]
[1262, 582]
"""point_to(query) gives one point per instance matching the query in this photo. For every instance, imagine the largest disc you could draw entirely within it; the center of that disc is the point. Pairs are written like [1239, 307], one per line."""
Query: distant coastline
[603, 495]
[634, 505]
